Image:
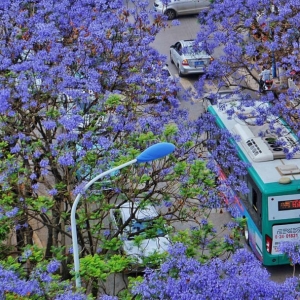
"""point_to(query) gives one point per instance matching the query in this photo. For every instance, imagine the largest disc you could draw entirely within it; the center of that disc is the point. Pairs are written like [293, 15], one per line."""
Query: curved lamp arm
[155, 151]
[73, 217]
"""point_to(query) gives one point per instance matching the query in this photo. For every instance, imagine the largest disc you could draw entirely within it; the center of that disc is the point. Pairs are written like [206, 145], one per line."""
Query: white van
[176, 8]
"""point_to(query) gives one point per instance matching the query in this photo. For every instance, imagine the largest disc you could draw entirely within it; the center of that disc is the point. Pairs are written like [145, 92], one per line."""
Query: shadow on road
[280, 273]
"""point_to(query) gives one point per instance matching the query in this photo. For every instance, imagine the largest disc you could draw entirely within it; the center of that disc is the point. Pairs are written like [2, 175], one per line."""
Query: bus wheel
[246, 234]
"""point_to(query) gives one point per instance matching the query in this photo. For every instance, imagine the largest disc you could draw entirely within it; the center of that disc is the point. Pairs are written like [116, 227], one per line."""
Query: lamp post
[155, 151]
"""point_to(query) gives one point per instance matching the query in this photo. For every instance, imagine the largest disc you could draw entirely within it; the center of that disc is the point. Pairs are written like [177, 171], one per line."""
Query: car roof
[187, 43]
[191, 43]
[148, 212]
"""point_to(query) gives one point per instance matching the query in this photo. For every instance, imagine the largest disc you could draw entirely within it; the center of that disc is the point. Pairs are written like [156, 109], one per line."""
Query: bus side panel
[237, 209]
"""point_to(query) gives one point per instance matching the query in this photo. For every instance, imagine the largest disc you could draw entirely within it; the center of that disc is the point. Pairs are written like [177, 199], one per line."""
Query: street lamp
[155, 151]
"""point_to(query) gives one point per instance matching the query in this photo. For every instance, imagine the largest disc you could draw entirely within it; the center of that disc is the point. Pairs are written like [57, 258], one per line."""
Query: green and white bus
[272, 206]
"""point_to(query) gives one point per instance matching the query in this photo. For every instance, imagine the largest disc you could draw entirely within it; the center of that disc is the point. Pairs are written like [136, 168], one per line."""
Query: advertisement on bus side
[285, 233]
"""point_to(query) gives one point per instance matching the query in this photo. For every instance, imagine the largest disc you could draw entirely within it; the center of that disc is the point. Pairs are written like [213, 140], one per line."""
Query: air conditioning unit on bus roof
[257, 149]
[254, 146]
[267, 148]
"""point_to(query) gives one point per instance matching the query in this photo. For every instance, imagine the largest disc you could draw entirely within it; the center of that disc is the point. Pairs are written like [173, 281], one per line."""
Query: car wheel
[179, 72]
[170, 13]
[171, 59]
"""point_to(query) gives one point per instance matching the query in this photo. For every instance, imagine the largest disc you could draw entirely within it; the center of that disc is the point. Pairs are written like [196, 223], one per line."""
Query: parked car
[180, 7]
[142, 223]
[188, 59]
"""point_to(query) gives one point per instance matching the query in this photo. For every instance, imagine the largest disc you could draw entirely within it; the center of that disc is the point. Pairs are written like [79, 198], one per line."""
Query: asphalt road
[188, 29]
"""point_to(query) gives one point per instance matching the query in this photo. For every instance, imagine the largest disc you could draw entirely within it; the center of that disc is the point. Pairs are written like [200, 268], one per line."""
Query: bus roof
[260, 145]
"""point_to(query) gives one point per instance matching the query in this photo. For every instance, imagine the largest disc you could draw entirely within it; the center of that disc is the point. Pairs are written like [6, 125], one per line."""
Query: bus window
[254, 199]
[249, 195]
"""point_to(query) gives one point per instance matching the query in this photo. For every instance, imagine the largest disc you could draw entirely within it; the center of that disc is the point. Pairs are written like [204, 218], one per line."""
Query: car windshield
[137, 227]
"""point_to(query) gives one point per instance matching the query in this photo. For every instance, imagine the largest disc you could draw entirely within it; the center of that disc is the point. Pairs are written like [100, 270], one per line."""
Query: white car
[176, 8]
[188, 59]
[141, 223]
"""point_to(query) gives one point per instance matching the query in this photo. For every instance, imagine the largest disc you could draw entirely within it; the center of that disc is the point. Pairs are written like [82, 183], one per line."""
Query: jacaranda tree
[249, 35]
[82, 91]
[181, 277]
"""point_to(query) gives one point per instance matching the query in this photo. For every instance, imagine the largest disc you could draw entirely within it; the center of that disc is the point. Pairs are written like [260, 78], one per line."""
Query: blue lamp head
[155, 151]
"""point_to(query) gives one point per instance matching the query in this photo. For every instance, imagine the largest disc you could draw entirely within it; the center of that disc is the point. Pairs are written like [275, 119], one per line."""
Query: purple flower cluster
[71, 296]
[37, 285]
[53, 266]
[12, 213]
[184, 278]
[11, 282]
[292, 250]
[66, 159]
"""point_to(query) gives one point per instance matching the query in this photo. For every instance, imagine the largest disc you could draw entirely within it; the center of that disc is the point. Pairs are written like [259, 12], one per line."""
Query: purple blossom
[44, 210]
[79, 189]
[49, 124]
[12, 213]
[53, 266]
[106, 297]
[66, 159]
[193, 227]
[52, 192]
[15, 149]
[4, 96]
[35, 186]
[228, 239]
[40, 86]
[27, 253]
[71, 122]
[11, 282]
[44, 172]
[44, 162]
[181, 277]
[232, 225]
[69, 295]
[167, 203]
[37, 153]
[204, 222]
[175, 22]
[33, 176]
[45, 277]
[292, 250]
[106, 233]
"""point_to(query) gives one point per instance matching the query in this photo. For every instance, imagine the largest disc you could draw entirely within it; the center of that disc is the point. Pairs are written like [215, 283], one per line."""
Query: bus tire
[246, 234]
